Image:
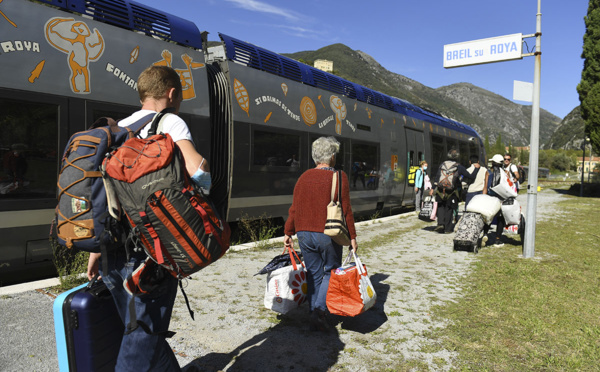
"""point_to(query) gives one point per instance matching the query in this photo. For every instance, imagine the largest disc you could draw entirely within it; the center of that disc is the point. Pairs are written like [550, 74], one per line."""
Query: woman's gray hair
[324, 148]
[453, 154]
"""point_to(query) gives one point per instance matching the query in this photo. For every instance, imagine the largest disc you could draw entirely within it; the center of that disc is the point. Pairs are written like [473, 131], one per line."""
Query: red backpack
[177, 224]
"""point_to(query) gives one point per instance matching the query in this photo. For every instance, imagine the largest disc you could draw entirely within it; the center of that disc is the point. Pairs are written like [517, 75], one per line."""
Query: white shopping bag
[286, 287]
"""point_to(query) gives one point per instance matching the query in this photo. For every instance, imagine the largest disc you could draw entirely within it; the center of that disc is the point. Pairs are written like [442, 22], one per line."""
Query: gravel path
[412, 270]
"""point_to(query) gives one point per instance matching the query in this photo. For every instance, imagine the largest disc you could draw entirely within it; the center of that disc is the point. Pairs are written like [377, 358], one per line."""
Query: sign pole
[529, 243]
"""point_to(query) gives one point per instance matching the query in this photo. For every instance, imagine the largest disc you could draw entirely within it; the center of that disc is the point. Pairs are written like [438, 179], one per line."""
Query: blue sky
[408, 37]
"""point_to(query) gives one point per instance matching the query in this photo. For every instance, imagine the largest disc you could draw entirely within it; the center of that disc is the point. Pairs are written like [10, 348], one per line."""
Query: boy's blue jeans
[139, 350]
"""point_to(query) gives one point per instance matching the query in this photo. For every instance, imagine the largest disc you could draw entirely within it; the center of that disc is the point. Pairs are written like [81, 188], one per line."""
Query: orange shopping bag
[350, 291]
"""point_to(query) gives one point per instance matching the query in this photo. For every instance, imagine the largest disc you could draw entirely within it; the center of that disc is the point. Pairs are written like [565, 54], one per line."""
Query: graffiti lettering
[121, 75]
[326, 121]
[265, 99]
[20, 46]
[348, 123]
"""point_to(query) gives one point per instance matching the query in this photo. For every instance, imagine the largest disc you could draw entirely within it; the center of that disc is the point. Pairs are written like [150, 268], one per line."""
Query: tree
[560, 162]
[488, 149]
[589, 86]
[499, 147]
[511, 151]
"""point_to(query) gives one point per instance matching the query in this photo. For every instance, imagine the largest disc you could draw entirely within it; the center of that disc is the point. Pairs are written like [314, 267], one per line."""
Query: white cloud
[258, 6]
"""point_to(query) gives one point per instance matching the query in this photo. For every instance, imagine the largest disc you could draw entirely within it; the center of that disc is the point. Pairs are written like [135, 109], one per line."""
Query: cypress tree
[589, 86]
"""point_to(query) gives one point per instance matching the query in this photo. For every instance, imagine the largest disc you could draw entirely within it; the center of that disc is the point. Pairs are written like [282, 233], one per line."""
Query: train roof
[135, 16]
[265, 60]
[138, 17]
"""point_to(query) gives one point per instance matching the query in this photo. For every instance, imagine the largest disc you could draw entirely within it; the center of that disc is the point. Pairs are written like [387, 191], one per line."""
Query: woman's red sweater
[312, 194]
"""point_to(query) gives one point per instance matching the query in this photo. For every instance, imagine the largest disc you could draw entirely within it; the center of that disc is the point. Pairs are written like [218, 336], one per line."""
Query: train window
[29, 149]
[276, 151]
[115, 114]
[365, 167]
[451, 144]
[463, 148]
[420, 157]
[473, 151]
[438, 152]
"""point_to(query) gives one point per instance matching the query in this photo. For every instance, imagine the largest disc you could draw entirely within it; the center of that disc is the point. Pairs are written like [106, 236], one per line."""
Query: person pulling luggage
[159, 88]
[446, 185]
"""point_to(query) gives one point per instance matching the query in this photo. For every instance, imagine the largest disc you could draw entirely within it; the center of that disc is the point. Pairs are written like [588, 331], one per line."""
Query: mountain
[569, 134]
[490, 114]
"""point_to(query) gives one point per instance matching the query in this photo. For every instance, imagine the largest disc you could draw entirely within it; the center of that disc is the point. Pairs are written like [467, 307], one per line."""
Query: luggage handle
[93, 281]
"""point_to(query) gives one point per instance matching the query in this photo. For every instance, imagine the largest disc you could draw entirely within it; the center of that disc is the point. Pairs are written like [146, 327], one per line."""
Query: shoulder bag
[335, 226]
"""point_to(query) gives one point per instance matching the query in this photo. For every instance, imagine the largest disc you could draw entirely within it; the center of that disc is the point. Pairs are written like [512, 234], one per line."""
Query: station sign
[475, 52]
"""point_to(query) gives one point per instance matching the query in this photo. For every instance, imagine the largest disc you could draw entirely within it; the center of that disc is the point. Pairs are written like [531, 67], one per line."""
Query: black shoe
[439, 228]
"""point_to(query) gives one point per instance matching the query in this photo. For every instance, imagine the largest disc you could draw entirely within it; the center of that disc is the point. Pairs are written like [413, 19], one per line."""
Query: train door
[415, 153]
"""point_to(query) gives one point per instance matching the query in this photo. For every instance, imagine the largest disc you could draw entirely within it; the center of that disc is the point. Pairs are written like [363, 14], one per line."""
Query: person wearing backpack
[420, 177]
[159, 88]
[479, 185]
[496, 173]
[446, 185]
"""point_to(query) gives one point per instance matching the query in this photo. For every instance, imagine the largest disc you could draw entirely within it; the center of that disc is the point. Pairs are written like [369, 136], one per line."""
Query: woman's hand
[354, 245]
[288, 241]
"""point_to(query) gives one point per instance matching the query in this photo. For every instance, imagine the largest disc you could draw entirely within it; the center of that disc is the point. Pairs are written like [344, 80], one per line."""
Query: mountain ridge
[489, 113]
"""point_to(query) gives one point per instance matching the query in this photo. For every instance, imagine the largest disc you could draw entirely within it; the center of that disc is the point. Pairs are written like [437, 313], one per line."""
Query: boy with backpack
[159, 88]
[446, 186]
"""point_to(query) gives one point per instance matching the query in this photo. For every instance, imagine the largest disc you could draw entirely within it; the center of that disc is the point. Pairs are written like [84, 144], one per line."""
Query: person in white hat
[493, 180]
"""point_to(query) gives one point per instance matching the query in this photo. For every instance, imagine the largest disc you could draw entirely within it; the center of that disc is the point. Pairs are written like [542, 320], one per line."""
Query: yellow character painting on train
[339, 108]
[82, 46]
[185, 74]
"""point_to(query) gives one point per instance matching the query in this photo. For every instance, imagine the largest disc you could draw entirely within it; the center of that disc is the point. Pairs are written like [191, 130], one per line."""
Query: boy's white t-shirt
[172, 124]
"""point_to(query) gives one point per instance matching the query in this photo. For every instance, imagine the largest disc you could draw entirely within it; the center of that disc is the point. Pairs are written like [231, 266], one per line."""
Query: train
[254, 114]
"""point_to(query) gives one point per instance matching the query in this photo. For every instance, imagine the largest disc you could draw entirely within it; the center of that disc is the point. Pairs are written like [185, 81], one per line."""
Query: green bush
[70, 265]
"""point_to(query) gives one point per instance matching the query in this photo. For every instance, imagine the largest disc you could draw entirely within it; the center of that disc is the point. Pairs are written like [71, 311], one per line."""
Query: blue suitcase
[88, 328]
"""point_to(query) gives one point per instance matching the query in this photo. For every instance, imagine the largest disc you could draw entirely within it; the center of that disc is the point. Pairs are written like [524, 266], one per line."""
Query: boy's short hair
[155, 81]
[474, 159]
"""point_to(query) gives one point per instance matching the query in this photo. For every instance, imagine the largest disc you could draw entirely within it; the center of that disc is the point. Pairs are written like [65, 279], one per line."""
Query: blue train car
[253, 112]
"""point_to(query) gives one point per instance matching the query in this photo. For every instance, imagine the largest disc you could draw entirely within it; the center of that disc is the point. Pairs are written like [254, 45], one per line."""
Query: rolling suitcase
[468, 231]
[88, 328]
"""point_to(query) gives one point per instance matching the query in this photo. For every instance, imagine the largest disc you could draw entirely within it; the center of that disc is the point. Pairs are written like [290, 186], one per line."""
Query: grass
[533, 314]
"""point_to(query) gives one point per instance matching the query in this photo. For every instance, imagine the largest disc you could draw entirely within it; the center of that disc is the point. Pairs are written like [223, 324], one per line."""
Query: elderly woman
[307, 217]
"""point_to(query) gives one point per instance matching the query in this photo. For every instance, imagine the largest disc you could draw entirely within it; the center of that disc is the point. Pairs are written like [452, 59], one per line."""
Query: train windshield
[29, 149]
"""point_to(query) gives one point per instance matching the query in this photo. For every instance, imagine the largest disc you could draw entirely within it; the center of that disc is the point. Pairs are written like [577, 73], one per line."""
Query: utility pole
[582, 166]
[529, 243]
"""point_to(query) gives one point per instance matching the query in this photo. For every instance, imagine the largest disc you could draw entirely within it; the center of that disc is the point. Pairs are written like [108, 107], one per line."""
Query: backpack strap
[136, 127]
[156, 126]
